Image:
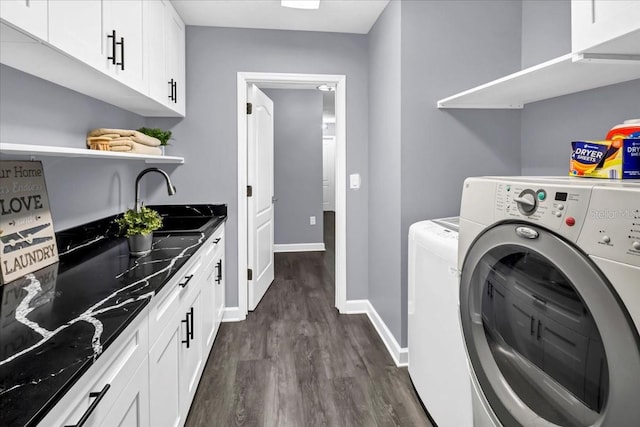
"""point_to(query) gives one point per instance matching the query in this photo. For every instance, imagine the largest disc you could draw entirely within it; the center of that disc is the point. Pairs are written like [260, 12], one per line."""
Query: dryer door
[549, 340]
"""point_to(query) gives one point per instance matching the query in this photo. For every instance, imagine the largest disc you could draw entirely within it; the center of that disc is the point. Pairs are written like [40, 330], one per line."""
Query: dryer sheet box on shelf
[618, 159]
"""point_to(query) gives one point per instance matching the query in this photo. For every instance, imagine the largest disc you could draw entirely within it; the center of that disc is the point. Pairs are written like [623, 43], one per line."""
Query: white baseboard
[356, 306]
[363, 306]
[233, 314]
[399, 355]
[299, 247]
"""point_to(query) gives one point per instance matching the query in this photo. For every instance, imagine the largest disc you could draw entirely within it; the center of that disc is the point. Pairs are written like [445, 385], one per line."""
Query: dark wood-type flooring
[296, 362]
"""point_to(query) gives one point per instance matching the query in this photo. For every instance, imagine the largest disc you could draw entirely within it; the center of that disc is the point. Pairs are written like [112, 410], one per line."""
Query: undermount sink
[185, 223]
[186, 218]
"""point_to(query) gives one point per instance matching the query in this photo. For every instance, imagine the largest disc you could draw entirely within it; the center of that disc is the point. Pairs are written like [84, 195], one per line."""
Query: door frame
[292, 80]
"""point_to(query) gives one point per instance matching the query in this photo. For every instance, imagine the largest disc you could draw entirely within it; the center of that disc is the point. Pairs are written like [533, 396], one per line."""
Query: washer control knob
[527, 202]
[558, 214]
[606, 239]
[560, 207]
[636, 246]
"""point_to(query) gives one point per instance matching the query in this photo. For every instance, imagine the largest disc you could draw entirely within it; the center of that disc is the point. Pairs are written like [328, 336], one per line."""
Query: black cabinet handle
[171, 89]
[184, 283]
[215, 242]
[175, 92]
[112, 36]
[98, 397]
[531, 326]
[190, 315]
[219, 275]
[538, 333]
[186, 341]
[121, 44]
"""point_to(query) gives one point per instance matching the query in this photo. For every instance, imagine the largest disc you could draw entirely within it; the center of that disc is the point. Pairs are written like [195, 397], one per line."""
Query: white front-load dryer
[550, 300]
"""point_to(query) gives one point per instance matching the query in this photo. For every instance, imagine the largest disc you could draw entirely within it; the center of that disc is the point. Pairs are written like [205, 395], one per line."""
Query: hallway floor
[296, 361]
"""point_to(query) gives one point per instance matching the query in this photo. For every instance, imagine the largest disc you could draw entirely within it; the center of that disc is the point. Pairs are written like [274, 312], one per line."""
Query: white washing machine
[550, 300]
[437, 359]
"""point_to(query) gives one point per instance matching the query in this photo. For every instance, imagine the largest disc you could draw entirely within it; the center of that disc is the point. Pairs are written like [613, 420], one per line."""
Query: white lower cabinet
[92, 398]
[164, 376]
[213, 291]
[150, 375]
[131, 409]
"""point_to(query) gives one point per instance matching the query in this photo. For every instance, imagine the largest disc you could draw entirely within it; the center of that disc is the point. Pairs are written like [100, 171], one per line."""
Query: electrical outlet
[312, 220]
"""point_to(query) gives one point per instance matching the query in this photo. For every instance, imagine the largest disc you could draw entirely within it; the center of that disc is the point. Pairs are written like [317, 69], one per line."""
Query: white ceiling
[336, 16]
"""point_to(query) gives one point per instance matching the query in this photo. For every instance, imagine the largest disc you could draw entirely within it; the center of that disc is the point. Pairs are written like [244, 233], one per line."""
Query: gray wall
[549, 126]
[297, 165]
[546, 30]
[440, 148]
[34, 111]
[207, 137]
[384, 166]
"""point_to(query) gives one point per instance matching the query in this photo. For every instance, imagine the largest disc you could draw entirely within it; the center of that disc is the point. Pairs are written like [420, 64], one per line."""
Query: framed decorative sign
[27, 239]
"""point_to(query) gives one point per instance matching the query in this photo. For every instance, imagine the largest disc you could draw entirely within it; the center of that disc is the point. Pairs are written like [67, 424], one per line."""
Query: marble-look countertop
[56, 322]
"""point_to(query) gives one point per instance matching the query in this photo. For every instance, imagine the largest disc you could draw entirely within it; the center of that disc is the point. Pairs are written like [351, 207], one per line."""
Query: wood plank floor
[296, 362]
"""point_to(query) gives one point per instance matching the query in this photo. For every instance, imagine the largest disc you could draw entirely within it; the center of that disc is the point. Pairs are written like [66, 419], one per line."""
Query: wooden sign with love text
[27, 239]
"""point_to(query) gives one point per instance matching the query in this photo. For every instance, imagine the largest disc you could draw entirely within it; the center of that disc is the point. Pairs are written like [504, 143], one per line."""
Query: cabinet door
[75, 27]
[597, 21]
[209, 308]
[175, 51]
[220, 285]
[27, 15]
[125, 18]
[191, 360]
[131, 408]
[155, 19]
[164, 375]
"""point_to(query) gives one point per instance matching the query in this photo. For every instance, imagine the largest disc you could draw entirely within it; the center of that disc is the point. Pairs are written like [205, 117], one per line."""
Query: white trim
[299, 247]
[399, 354]
[340, 81]
[356, 306]
[233, 314]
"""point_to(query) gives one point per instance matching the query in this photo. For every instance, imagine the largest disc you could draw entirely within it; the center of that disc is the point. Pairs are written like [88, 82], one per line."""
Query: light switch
[312, 220]
[354, 181]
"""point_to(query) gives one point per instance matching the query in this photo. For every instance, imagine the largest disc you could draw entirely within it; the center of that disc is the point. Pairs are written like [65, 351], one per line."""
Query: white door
[328, 173]
[260, 203]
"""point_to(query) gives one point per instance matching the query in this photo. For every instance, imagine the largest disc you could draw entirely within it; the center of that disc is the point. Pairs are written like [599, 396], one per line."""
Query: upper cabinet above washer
[30, 15]
[614, 22]
[120, 52]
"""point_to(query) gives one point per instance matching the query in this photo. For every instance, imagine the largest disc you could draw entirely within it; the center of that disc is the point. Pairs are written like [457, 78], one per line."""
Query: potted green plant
[138, 227]
[162, 135]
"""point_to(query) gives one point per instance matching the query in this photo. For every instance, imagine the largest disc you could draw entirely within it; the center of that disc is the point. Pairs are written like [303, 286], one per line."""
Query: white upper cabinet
[122, 24]
[30, 15]
[594, 22]
[175, 50]
[75, 27]
[128, 53]
[166, 46]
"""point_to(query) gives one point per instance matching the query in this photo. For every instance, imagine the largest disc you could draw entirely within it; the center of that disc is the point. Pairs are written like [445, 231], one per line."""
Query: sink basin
[191, 224]
[194, 218]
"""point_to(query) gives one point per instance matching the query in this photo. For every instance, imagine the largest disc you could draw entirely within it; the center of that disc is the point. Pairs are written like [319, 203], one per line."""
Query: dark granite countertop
[56, 322]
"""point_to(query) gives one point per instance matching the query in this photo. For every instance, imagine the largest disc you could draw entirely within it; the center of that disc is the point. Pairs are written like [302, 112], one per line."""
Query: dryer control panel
[559, 208]
[612, 226]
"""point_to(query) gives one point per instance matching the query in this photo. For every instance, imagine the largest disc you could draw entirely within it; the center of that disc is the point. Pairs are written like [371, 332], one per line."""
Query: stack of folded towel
[122, 140]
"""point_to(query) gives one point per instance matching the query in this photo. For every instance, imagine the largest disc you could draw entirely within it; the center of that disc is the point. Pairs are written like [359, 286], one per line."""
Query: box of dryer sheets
[617, 159]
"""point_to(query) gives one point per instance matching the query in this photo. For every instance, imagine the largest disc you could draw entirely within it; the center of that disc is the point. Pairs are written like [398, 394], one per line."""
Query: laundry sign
[27, 239]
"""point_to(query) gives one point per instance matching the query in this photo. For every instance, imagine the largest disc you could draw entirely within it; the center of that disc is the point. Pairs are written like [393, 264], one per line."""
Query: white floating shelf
[567, 74]
[49, 151]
